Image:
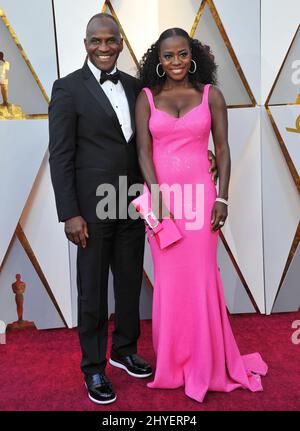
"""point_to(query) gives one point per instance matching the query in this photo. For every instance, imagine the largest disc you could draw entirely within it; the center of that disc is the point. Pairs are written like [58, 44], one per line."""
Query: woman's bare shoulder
[215, 96]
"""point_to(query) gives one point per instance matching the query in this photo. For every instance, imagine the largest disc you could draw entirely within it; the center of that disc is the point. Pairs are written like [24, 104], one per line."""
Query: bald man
[92, 143]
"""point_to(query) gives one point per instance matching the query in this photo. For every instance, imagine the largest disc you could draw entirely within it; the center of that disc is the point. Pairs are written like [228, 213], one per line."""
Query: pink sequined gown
[192, 337]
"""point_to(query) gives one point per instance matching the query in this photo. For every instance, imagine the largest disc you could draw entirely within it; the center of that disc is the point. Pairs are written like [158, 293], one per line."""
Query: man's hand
[213, 167]
[76, 230]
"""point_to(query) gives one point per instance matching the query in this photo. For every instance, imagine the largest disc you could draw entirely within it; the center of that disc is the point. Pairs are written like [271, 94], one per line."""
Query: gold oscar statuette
[18, 288]
[8, 111]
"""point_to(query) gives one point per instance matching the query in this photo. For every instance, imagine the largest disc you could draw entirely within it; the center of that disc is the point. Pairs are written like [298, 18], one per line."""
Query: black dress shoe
[133, 364]
[99, 389]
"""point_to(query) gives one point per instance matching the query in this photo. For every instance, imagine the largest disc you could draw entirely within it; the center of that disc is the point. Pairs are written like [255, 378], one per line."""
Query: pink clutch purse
[166, 232]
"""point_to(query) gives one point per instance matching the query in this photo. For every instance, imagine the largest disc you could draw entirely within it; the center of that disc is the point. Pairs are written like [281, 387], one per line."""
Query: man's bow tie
[114, 77]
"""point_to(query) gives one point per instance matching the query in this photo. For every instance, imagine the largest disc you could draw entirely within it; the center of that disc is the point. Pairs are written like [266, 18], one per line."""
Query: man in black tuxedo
[92, 141]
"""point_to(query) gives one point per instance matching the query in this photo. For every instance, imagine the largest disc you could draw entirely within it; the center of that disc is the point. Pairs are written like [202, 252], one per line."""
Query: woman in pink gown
[175, 113]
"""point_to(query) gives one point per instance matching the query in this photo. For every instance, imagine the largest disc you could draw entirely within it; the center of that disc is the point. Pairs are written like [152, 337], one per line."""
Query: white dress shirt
[117, 97]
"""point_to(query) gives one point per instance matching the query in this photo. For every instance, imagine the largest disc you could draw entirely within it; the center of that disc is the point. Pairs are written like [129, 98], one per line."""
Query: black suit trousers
[119, 245]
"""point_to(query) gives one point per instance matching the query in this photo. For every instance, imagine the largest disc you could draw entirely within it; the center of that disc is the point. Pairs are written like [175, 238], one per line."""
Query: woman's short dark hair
[206, 66]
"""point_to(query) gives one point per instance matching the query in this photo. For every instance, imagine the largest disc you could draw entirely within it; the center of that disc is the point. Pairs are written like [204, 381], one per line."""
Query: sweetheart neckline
[178, 118]
[170, 115]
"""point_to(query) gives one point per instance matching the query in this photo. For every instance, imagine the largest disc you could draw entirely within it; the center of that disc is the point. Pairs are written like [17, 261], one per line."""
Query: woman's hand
[163, 210]
[218, 215]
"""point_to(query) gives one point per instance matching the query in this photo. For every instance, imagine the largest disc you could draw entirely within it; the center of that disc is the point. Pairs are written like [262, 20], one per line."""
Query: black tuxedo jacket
[87, 146]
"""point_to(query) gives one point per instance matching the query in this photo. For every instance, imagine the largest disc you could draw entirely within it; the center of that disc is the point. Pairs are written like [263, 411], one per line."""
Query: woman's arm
[144, 146]
[144, 139]
[219, 129]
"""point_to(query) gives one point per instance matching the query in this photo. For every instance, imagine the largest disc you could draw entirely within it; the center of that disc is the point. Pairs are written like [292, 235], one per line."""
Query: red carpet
[39, 370]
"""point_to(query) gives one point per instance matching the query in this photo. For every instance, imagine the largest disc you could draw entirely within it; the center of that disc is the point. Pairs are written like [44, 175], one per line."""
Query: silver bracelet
[224, 201]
